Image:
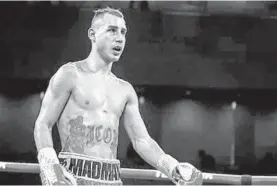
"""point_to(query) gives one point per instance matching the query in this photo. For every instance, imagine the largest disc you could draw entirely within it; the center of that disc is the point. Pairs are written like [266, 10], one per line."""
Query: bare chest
[98, 93]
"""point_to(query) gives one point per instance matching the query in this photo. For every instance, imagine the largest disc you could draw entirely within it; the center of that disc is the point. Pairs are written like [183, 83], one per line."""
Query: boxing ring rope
[149, 174]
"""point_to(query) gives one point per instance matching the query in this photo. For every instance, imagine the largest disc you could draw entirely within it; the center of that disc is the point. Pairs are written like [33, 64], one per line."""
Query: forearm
[42, 136]
[149, 150]
[47, 157]
[152, 153]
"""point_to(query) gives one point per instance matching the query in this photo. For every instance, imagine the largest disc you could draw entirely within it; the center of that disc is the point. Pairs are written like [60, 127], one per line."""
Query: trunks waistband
[91, 168]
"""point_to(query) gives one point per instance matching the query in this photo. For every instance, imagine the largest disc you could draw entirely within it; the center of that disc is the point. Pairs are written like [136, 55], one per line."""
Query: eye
[123, 32]
[112, 30]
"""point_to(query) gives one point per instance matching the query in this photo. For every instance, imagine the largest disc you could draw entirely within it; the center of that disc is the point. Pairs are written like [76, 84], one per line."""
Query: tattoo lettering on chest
[81, 136]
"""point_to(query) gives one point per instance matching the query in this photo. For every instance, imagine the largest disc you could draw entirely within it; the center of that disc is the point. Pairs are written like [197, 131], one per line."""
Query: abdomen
[92, 133]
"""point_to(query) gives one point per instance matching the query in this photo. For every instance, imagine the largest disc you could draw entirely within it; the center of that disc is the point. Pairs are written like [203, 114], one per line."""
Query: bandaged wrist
[47, 159]
[166, 164]
[47, 155]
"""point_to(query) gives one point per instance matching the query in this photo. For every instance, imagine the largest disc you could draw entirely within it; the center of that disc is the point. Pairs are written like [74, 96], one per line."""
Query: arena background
[205, 73]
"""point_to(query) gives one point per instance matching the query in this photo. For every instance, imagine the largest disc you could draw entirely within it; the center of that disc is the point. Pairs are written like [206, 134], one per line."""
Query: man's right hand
[52, 173]
[57, 175]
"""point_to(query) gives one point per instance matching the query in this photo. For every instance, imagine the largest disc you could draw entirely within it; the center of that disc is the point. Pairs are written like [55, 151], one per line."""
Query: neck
[96, 64]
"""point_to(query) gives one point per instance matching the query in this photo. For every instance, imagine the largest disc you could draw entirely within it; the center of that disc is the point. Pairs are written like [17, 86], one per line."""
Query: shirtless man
[87, 100]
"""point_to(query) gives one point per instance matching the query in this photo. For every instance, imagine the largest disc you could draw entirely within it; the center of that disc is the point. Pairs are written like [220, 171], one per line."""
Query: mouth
[117, 48]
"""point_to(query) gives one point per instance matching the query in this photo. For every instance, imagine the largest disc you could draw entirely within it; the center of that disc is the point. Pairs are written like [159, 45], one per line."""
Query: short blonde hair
[99, 13]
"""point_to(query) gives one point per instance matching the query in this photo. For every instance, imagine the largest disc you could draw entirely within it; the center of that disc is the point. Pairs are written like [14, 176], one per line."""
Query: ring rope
[149, 174]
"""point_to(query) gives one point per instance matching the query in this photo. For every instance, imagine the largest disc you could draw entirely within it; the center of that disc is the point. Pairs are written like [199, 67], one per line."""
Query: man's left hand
[187, 174]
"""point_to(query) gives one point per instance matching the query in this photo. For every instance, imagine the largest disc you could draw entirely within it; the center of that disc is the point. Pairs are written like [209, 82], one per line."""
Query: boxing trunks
[91, 170]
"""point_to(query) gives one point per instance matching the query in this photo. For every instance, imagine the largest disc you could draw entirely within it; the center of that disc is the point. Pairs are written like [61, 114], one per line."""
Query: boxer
[86, 101]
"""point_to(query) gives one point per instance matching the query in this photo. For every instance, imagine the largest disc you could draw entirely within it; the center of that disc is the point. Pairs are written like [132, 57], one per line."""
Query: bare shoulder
[64, 76]
[128, 89]
[67, 70]
[125, 84]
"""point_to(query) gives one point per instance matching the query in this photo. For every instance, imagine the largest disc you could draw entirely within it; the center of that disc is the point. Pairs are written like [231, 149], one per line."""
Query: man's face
[110, 37]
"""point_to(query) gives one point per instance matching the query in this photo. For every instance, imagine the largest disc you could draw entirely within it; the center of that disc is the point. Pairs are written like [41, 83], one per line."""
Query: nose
[119, 39]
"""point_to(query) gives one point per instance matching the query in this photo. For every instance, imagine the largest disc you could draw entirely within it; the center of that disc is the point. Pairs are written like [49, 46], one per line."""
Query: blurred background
[205, 73]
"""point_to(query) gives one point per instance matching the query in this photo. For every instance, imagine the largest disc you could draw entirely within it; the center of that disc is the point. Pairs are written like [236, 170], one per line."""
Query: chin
[114, 58]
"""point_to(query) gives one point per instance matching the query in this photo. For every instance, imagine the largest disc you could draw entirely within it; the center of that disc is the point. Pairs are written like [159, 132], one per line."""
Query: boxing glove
[51, 172]
[187, 174]
[179, 173]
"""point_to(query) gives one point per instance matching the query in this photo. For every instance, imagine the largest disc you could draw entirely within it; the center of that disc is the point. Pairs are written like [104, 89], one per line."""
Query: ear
[91, 34]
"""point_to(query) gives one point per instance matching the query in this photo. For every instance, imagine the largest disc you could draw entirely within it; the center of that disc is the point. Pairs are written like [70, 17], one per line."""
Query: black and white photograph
[138, 93]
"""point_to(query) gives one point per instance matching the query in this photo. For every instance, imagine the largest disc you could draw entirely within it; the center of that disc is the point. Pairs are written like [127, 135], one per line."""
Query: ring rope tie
[149, 174]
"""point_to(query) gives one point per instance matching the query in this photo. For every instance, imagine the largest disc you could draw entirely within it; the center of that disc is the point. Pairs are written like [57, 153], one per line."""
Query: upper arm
[132, 119]
[56, 96]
